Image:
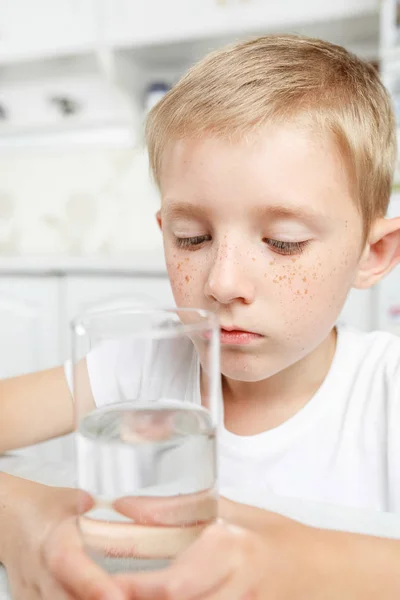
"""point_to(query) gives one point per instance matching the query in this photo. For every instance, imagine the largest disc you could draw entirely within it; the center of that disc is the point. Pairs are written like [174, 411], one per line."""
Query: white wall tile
[80, 201]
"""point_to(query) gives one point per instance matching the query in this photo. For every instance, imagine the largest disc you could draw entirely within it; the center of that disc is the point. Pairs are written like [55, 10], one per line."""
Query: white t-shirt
[342, 448]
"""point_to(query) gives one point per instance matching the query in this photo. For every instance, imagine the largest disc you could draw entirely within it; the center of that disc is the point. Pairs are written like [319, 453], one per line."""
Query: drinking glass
[147, 398]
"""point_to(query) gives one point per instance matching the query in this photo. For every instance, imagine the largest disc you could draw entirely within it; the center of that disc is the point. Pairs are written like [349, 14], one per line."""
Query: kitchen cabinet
[46, 28]
[139, 42]
[29, 325]
[134, 22]
[390, 22]
[29, 30]
[30, 341]
[389, 42]
[50, 29]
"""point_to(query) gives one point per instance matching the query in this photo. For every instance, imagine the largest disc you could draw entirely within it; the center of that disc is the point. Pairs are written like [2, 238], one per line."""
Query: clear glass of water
[148, 402]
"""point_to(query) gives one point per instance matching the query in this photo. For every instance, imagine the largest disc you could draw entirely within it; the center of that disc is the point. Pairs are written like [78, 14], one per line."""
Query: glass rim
[80, 325]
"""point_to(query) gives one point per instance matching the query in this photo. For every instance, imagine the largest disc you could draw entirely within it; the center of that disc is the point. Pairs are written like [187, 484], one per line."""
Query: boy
[274, 159]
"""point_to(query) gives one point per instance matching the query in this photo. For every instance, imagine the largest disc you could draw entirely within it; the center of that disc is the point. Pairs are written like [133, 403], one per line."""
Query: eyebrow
[176, 210]
[299, 213]
[306, 214]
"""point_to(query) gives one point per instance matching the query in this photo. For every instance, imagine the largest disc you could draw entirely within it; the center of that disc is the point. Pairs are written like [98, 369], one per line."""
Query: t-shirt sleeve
[114, 370]
[69, 375]
[140, 370]
[101, 365]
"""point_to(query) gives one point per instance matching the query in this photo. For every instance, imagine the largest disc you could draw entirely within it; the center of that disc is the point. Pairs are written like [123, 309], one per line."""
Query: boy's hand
[40, 537]
[250, 554]
[256, 555]
[79, 576]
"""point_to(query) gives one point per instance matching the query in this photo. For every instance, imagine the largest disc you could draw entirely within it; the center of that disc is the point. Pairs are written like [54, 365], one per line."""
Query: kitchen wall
[77, 202]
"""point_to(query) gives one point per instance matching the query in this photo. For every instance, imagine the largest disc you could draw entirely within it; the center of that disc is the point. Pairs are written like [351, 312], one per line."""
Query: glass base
[115, 565]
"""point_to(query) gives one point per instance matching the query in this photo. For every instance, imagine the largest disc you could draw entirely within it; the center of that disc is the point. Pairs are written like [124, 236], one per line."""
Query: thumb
[249, 517]
[81, 502]
[65, 502]
[182, 510]
[69, 564]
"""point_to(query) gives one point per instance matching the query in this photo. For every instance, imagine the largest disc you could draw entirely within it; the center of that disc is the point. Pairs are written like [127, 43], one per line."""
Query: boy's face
[265, 234]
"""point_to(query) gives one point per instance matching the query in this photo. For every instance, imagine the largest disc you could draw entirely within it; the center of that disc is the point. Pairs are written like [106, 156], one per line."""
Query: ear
[381, 253]
[159, 220]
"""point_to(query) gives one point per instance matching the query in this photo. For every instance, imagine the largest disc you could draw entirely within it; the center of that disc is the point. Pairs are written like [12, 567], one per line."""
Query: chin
[248, 369]
[243, 376]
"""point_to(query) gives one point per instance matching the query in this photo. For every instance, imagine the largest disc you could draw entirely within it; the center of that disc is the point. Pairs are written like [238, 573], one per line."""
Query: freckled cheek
[290, 280]
[185, 277]
[311, 287]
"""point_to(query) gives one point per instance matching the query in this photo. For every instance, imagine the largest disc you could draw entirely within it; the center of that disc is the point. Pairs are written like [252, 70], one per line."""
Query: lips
[237, 337]
[235, 329]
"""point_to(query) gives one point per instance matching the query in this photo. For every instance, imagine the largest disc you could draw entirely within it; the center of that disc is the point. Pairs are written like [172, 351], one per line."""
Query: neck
[253, 407]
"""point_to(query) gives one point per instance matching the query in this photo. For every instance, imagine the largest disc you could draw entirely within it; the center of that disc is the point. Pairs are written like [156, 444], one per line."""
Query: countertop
[139, 263]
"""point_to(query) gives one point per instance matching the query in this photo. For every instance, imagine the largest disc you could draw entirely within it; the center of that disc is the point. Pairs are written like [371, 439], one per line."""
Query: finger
[25, 594]
[230, 590]
[73, 569]
[73, 501]
[84, 502]
[249, 517]
[201, 570]
[140, 541]
[53, 591]
[182, 510]
[170, 583]
[19, 586]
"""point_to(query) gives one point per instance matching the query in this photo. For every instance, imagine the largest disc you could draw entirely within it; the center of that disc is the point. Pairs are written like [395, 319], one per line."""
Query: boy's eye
[192, 242]
[287, 248]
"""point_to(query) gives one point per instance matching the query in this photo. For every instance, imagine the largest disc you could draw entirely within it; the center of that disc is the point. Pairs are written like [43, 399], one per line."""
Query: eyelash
[278, 246]
[286, 248]
[191, 242]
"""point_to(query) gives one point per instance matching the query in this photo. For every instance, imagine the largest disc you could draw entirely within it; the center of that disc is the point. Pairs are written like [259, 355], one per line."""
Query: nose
[229, 279]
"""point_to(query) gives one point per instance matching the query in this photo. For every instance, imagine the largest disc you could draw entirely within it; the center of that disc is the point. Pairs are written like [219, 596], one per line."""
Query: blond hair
[237, 90]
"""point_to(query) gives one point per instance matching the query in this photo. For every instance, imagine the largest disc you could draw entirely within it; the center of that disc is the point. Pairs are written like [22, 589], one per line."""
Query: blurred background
[77, 78]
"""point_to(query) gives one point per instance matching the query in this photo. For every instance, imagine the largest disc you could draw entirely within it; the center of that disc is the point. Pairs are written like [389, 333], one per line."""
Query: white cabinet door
[34, 28]
[134, 22]
[83, 292]
[29, 341]
[29, 324]
[390, 26]
[155, 21]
